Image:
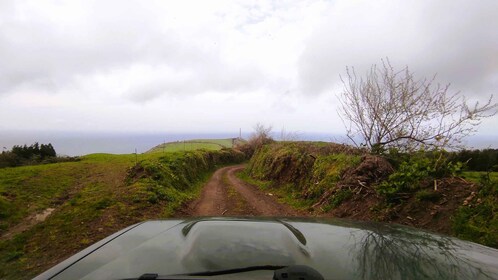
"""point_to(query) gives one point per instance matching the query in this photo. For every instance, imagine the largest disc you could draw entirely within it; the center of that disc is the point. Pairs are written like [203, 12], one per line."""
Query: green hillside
[195, 144]
[91, 199]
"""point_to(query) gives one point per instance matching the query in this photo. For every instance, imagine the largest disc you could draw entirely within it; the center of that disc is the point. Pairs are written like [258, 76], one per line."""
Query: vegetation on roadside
[284, 193]
[392, 114]
[92, 199]
[415, 171]
[306, 170]
[170, 178]
[261, 136]
[431, 190]
[477, 220]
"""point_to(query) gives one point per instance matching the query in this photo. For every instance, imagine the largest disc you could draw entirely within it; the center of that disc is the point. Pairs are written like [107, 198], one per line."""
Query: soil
[434, 215]
[227, 195]
[27, 223]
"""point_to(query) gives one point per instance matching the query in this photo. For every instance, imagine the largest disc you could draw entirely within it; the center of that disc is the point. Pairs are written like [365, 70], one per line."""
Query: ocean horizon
[83, 143]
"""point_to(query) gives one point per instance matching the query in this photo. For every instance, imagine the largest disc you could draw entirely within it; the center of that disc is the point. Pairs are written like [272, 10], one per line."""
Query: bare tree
[261, 135]
[389, 108]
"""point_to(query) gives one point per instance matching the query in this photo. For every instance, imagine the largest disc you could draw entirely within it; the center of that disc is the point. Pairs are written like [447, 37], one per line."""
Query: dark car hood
[338, 249]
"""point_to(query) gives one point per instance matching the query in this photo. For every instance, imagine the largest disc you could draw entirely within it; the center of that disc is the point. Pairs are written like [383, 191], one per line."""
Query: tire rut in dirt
[212, 201]
[266, 205]
[227, 195]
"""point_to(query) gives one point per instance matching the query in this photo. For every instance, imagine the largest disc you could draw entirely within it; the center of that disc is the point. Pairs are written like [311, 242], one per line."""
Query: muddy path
[226, 195]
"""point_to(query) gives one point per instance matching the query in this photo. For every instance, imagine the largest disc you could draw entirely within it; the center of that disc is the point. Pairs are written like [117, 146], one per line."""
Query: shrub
[340, 197]
[415, 170]
[478, 221]
[9, 159]
[260, 137]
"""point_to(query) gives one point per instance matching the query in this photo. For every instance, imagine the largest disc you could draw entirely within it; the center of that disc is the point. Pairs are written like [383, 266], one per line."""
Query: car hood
[338, 249]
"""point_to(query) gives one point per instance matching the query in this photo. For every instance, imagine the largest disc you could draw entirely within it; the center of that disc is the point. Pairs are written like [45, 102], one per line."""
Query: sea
[83, 143]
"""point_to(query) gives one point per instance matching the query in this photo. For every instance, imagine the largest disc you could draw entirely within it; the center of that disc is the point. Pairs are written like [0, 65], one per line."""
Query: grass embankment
[92, 199]
[190, 145]
[420, 190]
[478, 220]
[299, 172]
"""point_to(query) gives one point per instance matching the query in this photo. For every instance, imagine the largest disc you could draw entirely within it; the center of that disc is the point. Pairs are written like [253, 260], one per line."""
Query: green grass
[195, 144]
[478, 221]
[80, 191]
[475, 176]
[285, 194]
[29, 189]
[93, 198]
[327, 170]
[227, 143]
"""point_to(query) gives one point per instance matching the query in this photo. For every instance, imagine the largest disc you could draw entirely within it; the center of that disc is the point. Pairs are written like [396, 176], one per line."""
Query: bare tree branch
[391, 109]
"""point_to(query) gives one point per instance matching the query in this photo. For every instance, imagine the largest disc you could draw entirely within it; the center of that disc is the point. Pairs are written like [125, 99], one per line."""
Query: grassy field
[190, 145]
[91, 198]
[29, 189]
[476, 176]
[80, 191]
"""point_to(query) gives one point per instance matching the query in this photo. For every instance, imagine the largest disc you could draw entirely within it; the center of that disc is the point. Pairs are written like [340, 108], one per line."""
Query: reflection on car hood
[338, 249]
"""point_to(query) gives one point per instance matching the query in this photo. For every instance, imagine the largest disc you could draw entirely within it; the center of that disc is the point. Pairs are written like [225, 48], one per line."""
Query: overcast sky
[217, 66]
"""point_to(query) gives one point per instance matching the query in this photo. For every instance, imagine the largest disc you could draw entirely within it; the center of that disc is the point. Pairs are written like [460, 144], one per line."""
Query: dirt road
[227, 195]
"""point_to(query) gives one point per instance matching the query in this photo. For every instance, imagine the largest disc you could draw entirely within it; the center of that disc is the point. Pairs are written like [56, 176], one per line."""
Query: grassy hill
[195, 144]
[91, 199]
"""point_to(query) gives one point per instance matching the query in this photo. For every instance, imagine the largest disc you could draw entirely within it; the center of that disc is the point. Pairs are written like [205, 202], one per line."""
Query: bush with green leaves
[340, 196]
[416, 170]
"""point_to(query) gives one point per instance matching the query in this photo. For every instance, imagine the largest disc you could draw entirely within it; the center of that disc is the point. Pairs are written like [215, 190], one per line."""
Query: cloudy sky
[205, 66]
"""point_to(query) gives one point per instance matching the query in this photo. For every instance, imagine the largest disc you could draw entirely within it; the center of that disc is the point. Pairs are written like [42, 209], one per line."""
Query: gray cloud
[92, 62]
[455, 39]
[110, 36]
[208, 77]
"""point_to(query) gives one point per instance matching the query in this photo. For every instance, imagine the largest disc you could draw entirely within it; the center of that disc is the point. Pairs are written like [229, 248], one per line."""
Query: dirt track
[227, 195]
